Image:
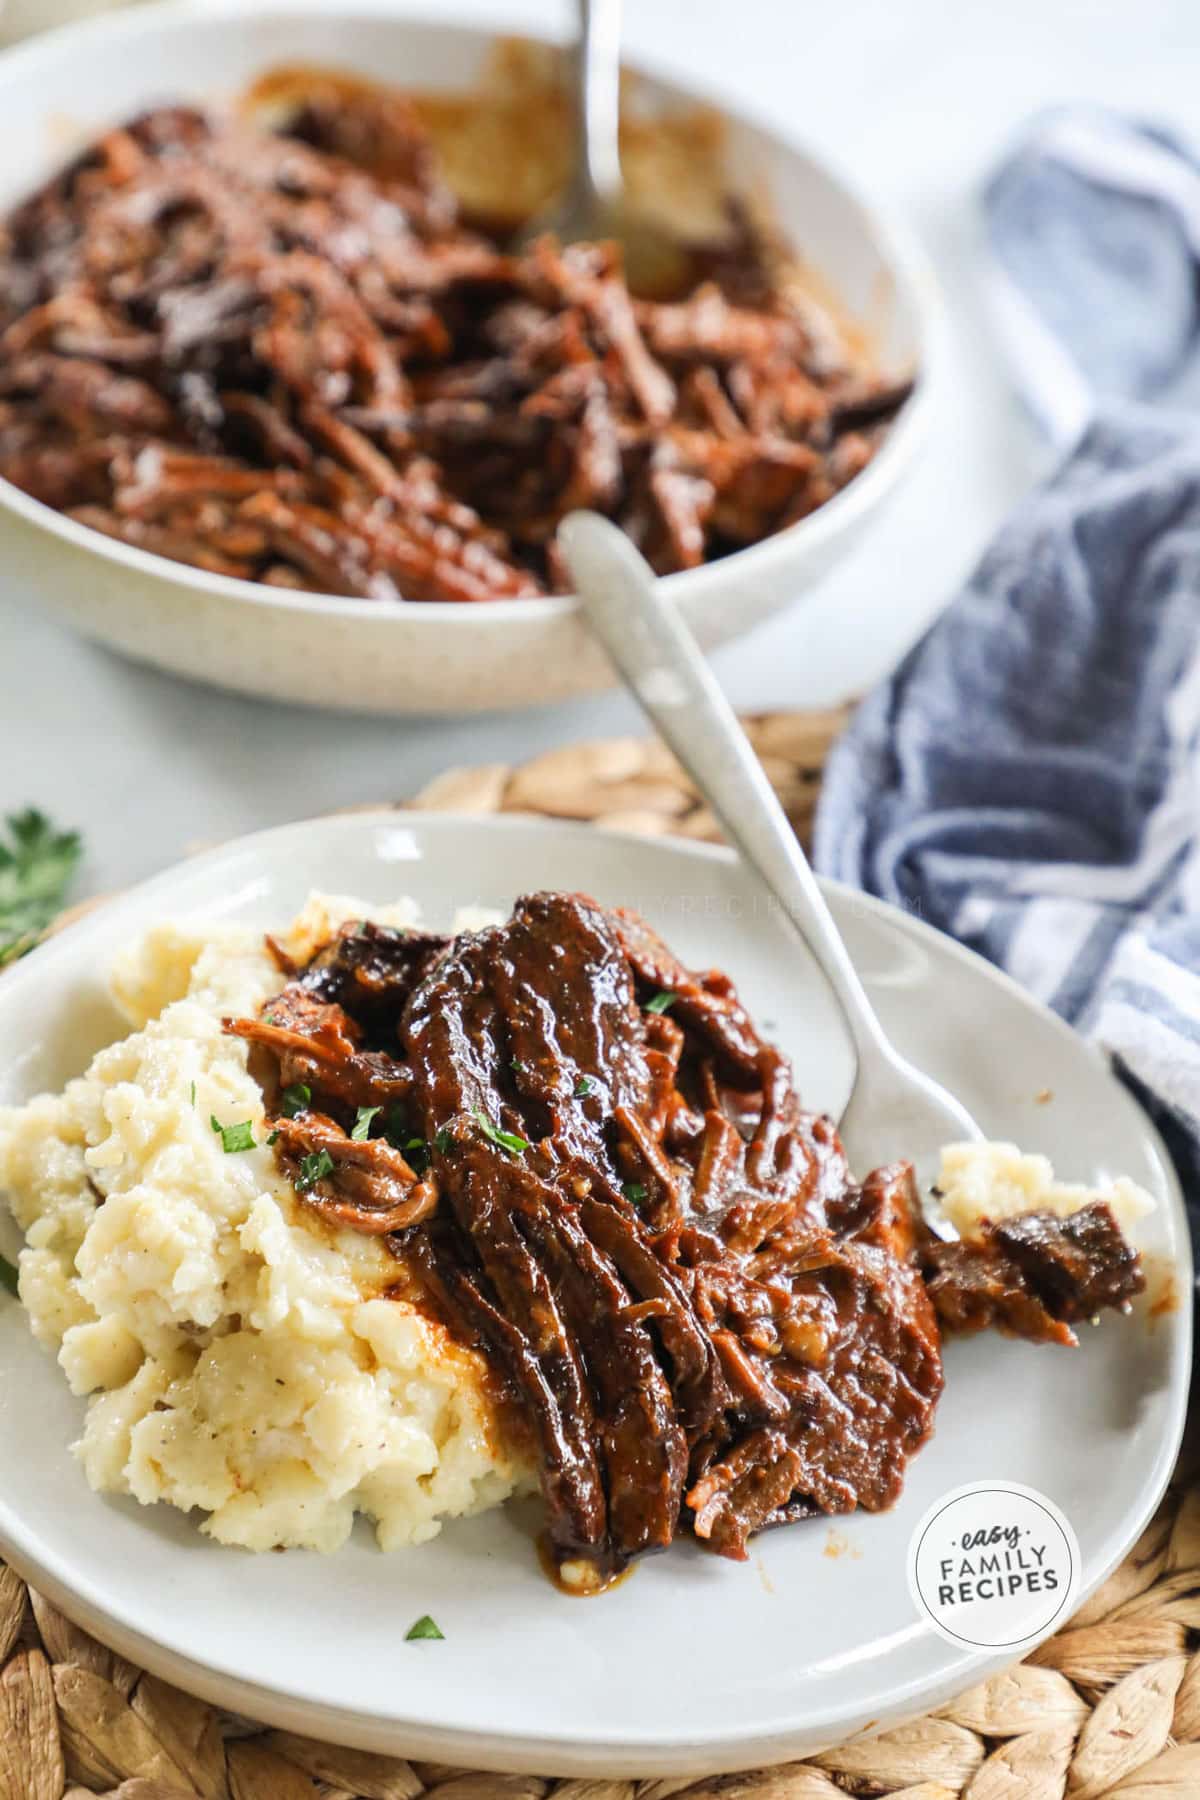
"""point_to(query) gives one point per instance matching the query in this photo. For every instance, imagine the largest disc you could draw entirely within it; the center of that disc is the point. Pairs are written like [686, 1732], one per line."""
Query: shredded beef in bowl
[274, 345]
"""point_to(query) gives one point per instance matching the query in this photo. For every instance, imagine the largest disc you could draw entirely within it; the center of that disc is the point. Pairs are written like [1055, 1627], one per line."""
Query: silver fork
[894, 1108]
[595, 204]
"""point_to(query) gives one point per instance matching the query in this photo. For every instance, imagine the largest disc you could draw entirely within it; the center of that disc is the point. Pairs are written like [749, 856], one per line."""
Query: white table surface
[915, 100]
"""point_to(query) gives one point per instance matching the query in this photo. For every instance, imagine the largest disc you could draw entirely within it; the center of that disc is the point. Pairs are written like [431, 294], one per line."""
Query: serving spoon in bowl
[595, 206]
[894, 1108]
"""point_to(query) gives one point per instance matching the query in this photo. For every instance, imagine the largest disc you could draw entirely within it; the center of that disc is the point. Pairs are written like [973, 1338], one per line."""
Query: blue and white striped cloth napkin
[1029, 779]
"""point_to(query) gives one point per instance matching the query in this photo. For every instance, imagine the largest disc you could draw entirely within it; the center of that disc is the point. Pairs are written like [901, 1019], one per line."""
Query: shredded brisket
[605, 1179]
[1035, 1275]
[283, 356]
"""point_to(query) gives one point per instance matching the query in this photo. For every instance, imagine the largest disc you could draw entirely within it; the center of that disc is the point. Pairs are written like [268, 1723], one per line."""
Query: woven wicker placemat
[1110, 1707]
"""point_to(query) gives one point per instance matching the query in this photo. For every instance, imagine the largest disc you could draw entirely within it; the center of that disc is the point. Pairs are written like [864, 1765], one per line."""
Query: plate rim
[612, 1752]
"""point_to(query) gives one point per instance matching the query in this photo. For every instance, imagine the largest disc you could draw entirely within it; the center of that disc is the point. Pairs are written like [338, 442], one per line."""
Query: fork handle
[659, 658]
[597, 78]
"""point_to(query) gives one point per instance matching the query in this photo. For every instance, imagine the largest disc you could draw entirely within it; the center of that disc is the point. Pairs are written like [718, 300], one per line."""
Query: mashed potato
[237, 1353]
[996, 1181]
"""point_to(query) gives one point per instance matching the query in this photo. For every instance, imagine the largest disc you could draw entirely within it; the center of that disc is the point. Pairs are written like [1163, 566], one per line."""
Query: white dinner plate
[693, 1664]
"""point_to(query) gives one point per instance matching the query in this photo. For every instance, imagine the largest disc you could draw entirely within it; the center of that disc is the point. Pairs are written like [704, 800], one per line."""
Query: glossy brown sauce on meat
[283, 355]
[607, 1182]
[1034, 1276]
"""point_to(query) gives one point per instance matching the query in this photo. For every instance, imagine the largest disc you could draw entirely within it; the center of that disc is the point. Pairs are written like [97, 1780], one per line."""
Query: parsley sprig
[416, 1154]
[424, 1627]
[507, 1140]
[362, 1123]
[36, 867]
[313, 1168]
[234, 1137]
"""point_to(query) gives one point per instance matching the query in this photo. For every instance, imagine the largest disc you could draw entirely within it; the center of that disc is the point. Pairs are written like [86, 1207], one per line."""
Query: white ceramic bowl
[372, 656]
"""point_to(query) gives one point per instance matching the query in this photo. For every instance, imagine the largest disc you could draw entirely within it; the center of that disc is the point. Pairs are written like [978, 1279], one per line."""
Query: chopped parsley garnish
[272, 1137]
[401, 1137]
[193, 1093]
[295, 1099]
[416, 1154]
[443, 1142]
[234, 1137]
[517, 1065]
[36, 867]
[661, 1003]
[362, 1123]
[425, 1627]
[313, 1168]
[268, 1018]
[583, 1086]
[507, 1140]
[8, 1276]
[635, 1191]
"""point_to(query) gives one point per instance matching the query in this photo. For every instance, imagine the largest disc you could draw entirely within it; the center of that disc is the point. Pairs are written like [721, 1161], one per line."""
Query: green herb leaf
[517, 1065]
[36, 867]
[583, 1086]
[313, 1168]
[661, 1003]
[416, 1154]
[272, 1137]
[507, 1140]
[634, 1191]
[425, 1627]
[8, 1276]
[193, 1093]
[397, 1130]
[362, 1123]
[443, 1142]
[234, 1137]
[296, 1099]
